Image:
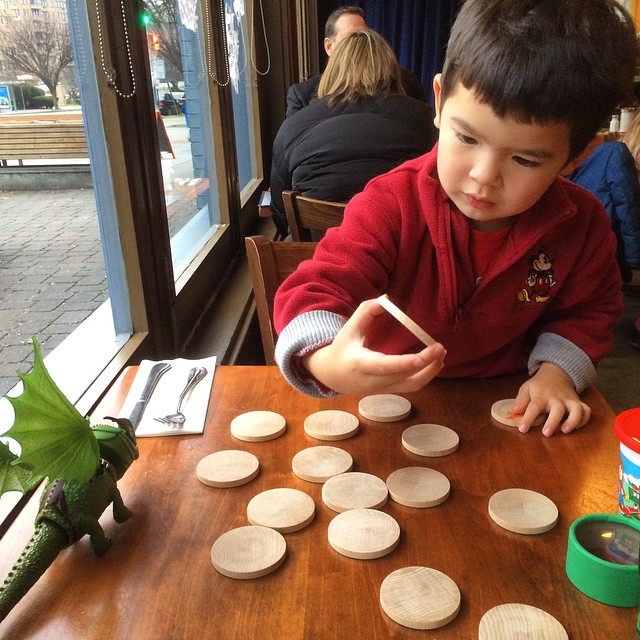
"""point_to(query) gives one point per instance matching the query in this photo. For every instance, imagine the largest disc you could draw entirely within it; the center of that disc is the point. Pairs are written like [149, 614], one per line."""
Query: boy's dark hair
[542, 61]
[330, 24]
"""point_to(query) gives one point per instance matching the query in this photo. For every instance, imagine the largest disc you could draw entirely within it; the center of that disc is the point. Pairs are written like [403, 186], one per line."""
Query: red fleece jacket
[556, 273]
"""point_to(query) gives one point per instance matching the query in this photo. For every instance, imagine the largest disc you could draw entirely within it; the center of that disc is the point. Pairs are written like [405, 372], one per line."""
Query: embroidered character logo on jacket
[539, 279]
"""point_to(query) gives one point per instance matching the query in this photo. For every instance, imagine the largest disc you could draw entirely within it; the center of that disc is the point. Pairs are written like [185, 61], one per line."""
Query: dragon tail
[42, 549]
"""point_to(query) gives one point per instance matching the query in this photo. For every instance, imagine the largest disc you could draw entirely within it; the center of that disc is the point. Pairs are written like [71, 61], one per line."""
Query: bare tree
[40, 48]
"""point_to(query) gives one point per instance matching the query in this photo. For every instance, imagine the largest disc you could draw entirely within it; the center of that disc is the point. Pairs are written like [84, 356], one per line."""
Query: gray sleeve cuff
[550, 347]
[301, 336]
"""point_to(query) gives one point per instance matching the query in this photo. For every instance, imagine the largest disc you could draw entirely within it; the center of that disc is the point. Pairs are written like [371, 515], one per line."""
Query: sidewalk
[51, 272]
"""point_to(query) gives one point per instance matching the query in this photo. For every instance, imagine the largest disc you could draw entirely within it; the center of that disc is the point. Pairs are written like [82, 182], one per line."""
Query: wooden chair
[270, 263]
[308, 214]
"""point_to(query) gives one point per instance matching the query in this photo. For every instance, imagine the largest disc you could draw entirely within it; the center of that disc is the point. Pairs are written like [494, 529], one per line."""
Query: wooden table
[158, 582]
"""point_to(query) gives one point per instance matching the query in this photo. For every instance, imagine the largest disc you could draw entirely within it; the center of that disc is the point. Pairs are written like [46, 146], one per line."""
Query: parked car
[168, 106]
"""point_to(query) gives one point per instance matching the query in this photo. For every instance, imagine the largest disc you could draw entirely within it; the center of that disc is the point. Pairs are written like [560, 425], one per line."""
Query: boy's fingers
[530, 410]
[567, 418]
[556, 414]
[362, 317]
[368, 309]
[397, 373]
[418, 380]
[403, 365]
[522, 401]
[578, 416]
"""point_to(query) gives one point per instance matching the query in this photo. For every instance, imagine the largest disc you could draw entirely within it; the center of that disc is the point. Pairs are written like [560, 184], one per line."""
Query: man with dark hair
[343, 21]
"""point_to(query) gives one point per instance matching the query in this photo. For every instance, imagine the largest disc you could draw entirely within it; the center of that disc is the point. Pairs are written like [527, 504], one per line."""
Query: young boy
[479, 241]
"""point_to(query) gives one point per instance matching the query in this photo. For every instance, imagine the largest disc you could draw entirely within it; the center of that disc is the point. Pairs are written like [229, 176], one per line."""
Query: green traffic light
[146, 19]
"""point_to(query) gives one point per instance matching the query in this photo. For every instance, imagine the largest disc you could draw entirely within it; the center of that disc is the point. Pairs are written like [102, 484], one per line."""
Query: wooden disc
[318, 464]
[364, 534]
[384, 407]
[283, 509]
[227, 468]
[502, 412]
[420, 598]
[523, 511]
[508, 621]
[430, 440]
[248, 552]
[258, 426]
[354, 490]
[331, 425]
[418, 487]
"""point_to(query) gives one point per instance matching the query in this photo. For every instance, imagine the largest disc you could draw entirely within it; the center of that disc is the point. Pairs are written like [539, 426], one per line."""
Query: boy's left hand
[551, 391]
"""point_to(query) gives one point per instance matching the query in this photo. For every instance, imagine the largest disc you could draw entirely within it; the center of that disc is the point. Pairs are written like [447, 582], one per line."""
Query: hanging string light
[110, 72]
[203, 51]
[209, 44]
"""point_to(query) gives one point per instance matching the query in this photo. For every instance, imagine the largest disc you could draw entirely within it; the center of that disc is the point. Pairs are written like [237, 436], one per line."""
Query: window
[168, 233]
[241, 74]
[158, 181]
[177, 46]
[142, 302]
[182, 50]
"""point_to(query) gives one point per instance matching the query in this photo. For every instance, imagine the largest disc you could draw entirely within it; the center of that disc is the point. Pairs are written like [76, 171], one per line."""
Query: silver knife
[154, 375]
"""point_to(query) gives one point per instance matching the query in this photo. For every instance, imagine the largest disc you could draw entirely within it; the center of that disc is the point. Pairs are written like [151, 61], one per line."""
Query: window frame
[141, 209]
[165, 313]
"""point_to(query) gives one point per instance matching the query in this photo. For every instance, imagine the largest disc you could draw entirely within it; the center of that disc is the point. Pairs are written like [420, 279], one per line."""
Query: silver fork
[195, 375]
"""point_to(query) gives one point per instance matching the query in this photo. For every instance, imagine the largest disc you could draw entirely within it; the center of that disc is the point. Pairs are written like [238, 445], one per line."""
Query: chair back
[270, 263]
[308, 214]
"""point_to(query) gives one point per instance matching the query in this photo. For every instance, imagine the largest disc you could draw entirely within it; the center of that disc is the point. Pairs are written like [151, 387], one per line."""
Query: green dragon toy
[82, 465]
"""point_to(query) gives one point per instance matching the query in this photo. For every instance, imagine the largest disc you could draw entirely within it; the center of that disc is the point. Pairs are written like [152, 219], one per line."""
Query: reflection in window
[242, 85]
[183, 116]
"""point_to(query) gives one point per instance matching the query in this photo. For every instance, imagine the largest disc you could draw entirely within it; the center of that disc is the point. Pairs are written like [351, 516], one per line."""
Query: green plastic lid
[602, 558]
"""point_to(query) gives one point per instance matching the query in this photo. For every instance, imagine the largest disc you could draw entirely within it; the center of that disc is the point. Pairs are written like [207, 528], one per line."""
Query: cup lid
[602, 579]
[627, 425]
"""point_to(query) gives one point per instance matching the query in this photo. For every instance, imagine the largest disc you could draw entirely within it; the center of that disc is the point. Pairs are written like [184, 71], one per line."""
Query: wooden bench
[42, 140]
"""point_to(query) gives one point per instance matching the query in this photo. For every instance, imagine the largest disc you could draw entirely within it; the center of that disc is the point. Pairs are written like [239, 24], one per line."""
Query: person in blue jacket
[631, 137]
[609, 173]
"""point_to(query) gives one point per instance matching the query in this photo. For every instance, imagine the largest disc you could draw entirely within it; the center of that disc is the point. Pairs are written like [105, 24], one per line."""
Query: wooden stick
[405, 320]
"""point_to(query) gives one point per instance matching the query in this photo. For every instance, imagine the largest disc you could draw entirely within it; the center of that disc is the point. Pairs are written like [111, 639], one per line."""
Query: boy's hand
[347, 366]
[551, 391]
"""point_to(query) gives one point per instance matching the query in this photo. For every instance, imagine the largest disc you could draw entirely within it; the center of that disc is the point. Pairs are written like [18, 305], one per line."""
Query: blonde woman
[340, 23]
[365, 67]
[361, 125]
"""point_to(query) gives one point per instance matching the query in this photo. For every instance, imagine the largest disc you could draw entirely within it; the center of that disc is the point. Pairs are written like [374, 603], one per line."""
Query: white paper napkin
[164, 399]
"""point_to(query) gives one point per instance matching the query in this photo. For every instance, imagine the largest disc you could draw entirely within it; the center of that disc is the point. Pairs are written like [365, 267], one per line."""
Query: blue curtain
[417, 30]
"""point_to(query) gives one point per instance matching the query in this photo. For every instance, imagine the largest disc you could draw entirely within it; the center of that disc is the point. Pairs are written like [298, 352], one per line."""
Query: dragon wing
[55, 440]
[13, 477]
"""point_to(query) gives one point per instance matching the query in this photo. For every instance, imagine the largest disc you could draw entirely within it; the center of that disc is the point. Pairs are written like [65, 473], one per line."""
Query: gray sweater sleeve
[553, 348]
[303, 335]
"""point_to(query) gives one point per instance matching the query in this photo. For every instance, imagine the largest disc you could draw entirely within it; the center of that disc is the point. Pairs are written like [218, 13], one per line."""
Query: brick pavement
[51, 272]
